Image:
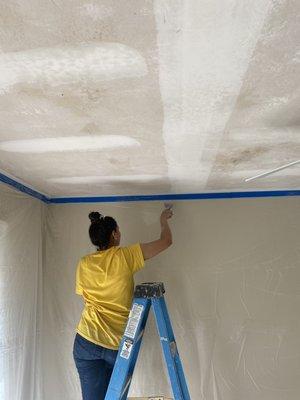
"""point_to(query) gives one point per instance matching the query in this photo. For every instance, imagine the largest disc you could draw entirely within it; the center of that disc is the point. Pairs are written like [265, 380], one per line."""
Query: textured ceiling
[144, 97]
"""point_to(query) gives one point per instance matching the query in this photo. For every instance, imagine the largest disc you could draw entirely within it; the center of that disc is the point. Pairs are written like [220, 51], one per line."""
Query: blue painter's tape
[144, 197]
[180, 196]
[22, 188]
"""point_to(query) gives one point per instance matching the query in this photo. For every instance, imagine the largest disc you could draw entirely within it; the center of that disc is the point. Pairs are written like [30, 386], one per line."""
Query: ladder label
[133, 320]
[126, 349]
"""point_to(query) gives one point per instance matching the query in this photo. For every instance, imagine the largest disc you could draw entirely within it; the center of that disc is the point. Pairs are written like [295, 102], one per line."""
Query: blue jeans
[94, 364]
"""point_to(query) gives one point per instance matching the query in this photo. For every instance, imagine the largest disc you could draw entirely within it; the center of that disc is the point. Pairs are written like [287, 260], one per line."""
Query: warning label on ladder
[126, 349]
[133, 320]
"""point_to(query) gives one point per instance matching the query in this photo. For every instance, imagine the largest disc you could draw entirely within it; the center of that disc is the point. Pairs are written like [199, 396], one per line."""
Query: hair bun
[94, 216]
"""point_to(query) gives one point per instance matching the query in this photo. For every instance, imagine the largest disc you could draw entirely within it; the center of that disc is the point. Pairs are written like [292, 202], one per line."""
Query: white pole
[272, 171]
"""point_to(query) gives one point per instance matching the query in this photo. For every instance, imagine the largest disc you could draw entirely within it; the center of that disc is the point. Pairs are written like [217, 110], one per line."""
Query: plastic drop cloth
[232, 282]
[20, 295]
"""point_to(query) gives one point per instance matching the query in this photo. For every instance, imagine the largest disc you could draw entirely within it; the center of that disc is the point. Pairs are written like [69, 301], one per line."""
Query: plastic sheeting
[20, 295]
[232, 279]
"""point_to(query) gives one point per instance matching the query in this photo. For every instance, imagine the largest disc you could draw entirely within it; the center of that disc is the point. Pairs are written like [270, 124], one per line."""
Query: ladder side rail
[167, 318]
[177, 358]
[128, 352]
[163, 332]
[138, 342]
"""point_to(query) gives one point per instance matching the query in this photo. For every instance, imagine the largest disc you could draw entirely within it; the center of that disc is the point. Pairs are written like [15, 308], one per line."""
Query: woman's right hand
[165, 215]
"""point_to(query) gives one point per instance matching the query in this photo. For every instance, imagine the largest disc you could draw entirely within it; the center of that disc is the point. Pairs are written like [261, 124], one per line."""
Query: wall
[232, 279]
[20, 295]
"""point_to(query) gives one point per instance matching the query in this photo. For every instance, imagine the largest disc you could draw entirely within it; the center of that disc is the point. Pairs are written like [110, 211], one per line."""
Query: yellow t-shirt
[105, 281]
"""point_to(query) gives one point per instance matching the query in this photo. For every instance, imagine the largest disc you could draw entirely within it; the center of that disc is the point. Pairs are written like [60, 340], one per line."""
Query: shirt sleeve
[78, 286]
[134, 257]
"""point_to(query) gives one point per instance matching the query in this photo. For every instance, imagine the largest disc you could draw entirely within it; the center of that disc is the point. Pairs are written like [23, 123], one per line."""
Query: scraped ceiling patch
[74, 180]
[66, 65]
[96, 11]
[201, 72]
[69, 143]
[3, 228]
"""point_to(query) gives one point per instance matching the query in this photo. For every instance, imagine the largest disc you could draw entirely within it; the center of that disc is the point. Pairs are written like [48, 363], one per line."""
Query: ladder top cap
[148, 290]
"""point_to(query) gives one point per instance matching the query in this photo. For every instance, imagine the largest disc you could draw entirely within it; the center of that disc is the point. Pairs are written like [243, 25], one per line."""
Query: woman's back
[105, 281]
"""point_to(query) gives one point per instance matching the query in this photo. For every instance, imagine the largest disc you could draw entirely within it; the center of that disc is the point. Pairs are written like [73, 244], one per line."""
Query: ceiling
[149, 97]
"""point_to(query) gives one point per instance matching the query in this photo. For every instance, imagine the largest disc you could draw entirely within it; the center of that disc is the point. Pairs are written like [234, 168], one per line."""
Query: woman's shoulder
[100, 253]
[112, 250]
[130, 247]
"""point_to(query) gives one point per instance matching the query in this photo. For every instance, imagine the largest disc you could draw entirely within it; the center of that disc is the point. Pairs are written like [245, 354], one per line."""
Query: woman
[105, 281]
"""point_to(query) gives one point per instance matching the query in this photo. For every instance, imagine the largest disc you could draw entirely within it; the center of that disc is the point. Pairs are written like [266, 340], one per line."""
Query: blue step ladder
[145, 296]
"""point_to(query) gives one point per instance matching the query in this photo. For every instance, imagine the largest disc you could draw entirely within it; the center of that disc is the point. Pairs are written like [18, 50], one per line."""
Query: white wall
[233, 290]
[20, 295]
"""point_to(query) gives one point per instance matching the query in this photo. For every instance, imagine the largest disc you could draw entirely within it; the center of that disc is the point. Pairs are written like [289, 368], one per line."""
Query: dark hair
[101, 229]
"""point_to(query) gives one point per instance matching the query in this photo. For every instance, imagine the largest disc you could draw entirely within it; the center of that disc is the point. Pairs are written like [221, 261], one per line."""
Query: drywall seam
[69, 143]
[56, 66]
